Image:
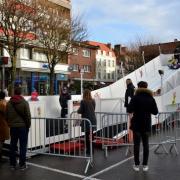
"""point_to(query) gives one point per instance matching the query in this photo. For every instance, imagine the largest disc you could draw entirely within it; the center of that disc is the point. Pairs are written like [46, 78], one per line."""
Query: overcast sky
[122, 21]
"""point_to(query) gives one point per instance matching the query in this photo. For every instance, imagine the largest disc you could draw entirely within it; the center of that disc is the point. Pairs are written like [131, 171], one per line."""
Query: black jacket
[63, 99]
[142, 105]
[87, 110]
[129, 94]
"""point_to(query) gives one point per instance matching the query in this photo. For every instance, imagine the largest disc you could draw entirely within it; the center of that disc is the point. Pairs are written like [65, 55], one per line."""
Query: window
[24, 53]
[75, 67]
[109, 76]
[75, 51]
[87, 68]
[37, 56]
[86, 52]
[112, 75]
[99, 75]
[113, 64]
[109, 63]
[104, 74]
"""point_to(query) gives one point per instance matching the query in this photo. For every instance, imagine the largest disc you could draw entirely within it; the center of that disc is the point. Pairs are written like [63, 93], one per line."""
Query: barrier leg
[162, 145]
[89, 163]
[128, 151]
[175, 148]
[106, 151]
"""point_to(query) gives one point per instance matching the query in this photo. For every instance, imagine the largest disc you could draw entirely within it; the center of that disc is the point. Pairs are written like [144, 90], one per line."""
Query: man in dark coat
[19, 120]
[142, 105]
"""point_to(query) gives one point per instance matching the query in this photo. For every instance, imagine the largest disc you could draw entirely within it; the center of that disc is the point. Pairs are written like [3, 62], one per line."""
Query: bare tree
[17, 25]
[56, 35]
[134, 56]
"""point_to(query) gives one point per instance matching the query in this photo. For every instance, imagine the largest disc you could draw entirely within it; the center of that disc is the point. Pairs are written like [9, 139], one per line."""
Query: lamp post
[161, 73]
[81, 73]
[144, 61]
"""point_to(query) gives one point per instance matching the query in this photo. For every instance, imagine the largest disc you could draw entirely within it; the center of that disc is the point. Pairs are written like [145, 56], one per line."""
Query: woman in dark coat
[142, 105]
[129, 92]
[87, 110]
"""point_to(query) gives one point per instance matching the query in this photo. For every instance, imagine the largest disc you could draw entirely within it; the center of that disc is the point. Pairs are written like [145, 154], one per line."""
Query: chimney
[176, 40]
[109, 45]
[117, 48]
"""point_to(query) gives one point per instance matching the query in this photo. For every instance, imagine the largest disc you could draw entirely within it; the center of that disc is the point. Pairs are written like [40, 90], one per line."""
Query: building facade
[32, 68]
[105, 63]
[82, 63]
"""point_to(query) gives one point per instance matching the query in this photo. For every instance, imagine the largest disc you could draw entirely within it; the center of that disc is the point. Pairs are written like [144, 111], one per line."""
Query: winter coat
[87, 110]
[142, 105]
[21, 116]
[4, 129]
[129, 94]
[63, 99]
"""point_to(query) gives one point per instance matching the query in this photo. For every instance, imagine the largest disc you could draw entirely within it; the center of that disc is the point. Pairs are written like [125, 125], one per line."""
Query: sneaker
[23, 167]
[136, 167]
[145, 168]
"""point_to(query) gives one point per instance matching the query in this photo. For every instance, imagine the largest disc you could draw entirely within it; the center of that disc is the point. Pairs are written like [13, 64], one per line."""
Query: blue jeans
[21, 134]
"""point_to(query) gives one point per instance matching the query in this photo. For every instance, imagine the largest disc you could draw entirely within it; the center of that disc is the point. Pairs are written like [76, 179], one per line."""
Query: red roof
[102, 46]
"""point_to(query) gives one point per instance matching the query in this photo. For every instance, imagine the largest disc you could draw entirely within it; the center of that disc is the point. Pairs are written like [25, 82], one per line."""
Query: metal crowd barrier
[165, 130]
[113, 131]
[60, 137]
[97, 132]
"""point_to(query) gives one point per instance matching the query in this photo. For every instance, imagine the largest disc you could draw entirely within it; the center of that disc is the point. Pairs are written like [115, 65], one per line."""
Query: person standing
[34, 95]
[19, 120]
[4, 129]
[128, 95]
[87, 110]
[142, 105]
[129, 92]
[63, 100]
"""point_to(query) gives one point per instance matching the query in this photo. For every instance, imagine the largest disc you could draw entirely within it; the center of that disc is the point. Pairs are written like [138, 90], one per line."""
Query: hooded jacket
[142, 105]
[22, 118]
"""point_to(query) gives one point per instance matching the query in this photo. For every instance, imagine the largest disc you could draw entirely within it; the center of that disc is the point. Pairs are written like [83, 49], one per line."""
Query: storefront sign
[61, 77]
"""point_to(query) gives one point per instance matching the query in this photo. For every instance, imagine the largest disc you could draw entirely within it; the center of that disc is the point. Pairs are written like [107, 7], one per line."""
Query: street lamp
[81, 73]
[144, 61]
[161, 73]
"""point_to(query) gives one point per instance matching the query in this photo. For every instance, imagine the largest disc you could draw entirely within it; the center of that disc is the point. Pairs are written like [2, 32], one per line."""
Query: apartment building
[121, 54]
[82, 63]
[105, 63]
[32, 67]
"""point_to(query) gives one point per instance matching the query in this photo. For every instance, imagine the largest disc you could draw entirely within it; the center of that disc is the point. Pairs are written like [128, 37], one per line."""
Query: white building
[105, 62]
